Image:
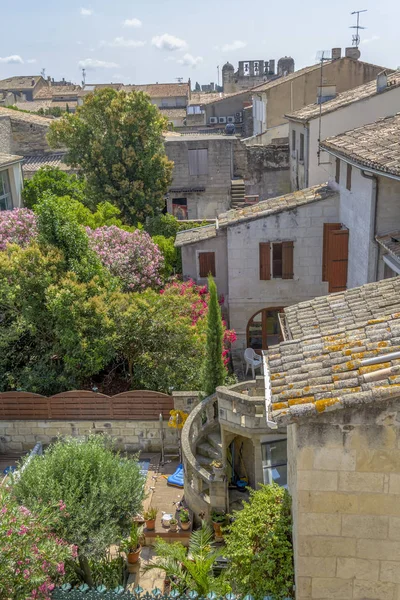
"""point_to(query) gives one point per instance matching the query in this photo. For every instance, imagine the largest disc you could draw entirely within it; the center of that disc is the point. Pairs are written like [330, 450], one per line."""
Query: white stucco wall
[297, 167]
[16, 183]
[344, 119]
[247, 293]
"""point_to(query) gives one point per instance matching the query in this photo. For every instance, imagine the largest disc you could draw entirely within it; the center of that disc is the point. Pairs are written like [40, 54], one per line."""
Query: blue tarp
[176, 478]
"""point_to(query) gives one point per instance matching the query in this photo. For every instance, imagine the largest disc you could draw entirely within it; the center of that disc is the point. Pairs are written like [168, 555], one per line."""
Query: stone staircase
[209, 448]
[237, 193]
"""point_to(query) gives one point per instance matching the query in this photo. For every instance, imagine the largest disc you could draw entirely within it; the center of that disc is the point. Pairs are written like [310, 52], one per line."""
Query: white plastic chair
[253, 360]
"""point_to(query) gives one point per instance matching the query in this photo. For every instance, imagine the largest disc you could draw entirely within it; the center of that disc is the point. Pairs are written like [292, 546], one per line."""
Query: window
[348, 178]
[337, 174]
[280, 264]
[293, 140]
[263, 329]
[5, 192]
[179, 208]
[206, 264]
[301, 157]
[274, 462]
[198, 161]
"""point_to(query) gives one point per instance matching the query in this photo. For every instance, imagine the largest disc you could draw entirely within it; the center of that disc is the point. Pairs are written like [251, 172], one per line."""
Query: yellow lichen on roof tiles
[276, 376]
[279, 405]
[375, 321]
[384, 344]
[324, 403]
[305, 400]
[372, 368]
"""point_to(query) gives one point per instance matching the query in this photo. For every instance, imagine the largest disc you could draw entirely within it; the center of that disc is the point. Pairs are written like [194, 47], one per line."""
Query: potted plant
[218, 519]
[132, 546]
[173, 525]
[150, 518]
[184, 519]
[218, 468]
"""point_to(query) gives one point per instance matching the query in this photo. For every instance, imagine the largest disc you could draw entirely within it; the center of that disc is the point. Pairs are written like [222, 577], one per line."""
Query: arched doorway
[263, 329]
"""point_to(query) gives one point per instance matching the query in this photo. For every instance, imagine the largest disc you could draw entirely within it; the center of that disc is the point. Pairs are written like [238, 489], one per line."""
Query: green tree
[172, 256]
[190, 569]
[100, 489]
[116, 139]
[52, 180]
[259, 545]
[214, 373]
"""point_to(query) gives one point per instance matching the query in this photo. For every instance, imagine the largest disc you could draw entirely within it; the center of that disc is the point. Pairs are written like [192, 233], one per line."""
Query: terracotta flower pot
[217, 529]
[185, 526]
[173, 527]
[150, 525]
[133, 557]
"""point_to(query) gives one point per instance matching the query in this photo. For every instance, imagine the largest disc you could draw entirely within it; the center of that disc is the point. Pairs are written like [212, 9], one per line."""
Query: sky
[161, 40]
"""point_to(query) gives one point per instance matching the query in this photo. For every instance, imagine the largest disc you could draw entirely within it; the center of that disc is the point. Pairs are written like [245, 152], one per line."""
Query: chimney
[336, 53]
[353, 53]
[381, 81]
[33, 82]
[325, 93]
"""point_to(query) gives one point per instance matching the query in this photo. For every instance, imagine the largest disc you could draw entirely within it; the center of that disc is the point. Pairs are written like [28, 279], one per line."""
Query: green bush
[259, 545]
[52, 180]
[100, 490]
[172, 256]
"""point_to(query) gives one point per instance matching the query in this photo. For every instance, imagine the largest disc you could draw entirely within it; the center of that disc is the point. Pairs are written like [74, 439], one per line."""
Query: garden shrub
[55, 181]
[259, 545]
[17, 226]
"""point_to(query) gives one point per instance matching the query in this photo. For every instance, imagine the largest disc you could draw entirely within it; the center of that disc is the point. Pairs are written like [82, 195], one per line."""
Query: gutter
[375, 191]
[268, 395]
[358, 165]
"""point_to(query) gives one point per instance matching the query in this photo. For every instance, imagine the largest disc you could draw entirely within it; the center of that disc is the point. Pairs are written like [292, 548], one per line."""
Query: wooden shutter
[337, 174]
[338, 252]
[327, 228]
[287, 260]
[265, 260]
[193, 162]
[206, 264]
[348, 177]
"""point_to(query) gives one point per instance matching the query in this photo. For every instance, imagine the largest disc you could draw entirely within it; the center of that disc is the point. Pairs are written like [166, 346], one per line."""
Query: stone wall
[24, 135]
[344, 478]
[268, 172]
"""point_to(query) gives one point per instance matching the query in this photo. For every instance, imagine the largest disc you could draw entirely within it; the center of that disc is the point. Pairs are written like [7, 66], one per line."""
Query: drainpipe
[375, 192]
[268, 395]
[306, 154]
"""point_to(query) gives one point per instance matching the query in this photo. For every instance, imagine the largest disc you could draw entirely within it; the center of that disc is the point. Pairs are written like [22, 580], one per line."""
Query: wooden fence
[82, 405]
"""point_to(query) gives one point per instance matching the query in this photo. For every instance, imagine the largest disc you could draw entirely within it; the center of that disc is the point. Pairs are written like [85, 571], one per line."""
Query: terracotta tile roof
[16, 115]
[326, 314]
[49, 91]
[324, 373]
[173, 113]
[32, 164]
[160, 90]
[276, 205]
[198, 234]
[206, 98]
[391, 243]
[362, 92]
[19, 83]
[6, 159]
[376, 145]
[34, 105]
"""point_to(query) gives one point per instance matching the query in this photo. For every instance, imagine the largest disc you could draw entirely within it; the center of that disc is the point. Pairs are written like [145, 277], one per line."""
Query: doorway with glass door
[263, 329]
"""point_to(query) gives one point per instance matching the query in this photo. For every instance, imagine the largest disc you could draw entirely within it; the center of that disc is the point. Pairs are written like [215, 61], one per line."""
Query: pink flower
[22, 530]
[74, 551]
[62, 505]
[27, 573]
[60, 568]
[9, 532]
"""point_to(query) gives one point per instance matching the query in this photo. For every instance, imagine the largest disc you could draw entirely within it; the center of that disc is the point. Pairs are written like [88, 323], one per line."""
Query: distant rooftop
[376, 145]
[8, 159]
[19, 83]
[362, 92]
[48, 91]
[17, 115]
[161, 90]
[32, 164]
[197, 234]
[187, 137]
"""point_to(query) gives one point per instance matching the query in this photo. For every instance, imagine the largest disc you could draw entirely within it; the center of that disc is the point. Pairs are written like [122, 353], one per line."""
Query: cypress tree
[214, 369]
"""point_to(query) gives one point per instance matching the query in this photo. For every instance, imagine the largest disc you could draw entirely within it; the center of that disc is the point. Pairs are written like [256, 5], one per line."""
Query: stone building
[365, 168]
[353, 108]
[24, 88]
[10, 181]
[251, 73]
[268, 256]
[285, 66]
[274, 99]
[24, 134]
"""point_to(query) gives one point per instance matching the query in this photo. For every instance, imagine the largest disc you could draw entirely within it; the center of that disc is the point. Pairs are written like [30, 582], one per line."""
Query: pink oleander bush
[131, 256]
[32, 557]
[17, 226]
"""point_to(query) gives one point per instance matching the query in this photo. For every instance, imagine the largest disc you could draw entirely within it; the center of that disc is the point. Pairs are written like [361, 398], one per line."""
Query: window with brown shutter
[287, 260]
[337, 174]
[265, 260]
[277, 266]
[348, 178]
[301, 157]
[327, 228]
[207, 264]
[336, 252]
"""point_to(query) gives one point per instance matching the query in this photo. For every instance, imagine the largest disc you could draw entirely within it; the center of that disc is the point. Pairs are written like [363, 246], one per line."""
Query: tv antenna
[179, 79]
[322, 56]
[43, 73]
[357, 27]
[83, 76]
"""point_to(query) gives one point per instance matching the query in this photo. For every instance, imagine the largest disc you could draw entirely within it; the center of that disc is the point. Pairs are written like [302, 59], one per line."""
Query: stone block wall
[268, 172]
[344, 478]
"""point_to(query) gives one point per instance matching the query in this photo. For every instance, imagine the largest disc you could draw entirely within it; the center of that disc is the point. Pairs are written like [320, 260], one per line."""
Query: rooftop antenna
[357, 27]
[179, 79]
[218, 74]
[83, 77]
[43, 73]
[322, 56]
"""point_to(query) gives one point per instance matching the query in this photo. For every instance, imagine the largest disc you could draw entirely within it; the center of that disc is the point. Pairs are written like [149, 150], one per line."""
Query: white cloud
[190, 61]
[121, 42]
[92, 63]
[14, 59]
[374, 38]
[31, 61]
[86, 12]
[236, 45]
[168, 42]
[132, 23]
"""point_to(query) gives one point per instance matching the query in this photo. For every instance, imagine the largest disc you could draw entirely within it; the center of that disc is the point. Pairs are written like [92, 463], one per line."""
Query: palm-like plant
[190, 569]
